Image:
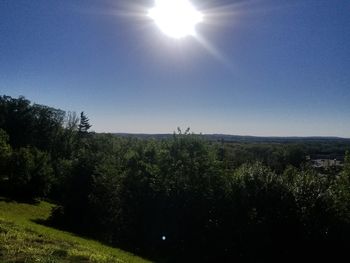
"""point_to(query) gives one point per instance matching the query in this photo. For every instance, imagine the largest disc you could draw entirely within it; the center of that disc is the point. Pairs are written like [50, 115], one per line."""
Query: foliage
[178, 199]
[31, 174]
[133, 193]
[5, 153]
[340, 192]
[84, 124]
[27, 124]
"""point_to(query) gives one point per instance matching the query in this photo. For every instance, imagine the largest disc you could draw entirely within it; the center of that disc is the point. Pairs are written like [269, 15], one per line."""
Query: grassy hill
[24, 240]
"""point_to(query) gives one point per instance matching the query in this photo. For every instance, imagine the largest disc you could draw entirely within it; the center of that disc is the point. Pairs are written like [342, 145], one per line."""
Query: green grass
[23, 240]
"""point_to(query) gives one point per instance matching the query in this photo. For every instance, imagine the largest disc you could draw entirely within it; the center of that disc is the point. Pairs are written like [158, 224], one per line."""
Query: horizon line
[237, 135]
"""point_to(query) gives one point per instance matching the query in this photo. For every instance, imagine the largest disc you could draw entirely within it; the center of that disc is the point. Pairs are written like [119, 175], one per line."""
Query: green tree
[84, 124]
[5, 153]
[346, 170]
[17, 119]
[31, 173]
[340, 191]
[30, 125]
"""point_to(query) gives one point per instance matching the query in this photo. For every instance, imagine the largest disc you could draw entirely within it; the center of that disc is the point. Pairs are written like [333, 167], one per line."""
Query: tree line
[176, 200]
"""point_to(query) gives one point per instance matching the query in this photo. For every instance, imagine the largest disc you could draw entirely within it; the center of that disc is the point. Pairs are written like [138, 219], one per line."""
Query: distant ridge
[242, 138]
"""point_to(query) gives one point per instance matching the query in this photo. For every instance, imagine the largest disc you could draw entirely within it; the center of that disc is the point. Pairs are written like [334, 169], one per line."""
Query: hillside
[24, 240]
[243, 138]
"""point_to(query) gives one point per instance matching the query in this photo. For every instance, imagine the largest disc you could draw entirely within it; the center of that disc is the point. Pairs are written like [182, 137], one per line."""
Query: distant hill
[243, 138]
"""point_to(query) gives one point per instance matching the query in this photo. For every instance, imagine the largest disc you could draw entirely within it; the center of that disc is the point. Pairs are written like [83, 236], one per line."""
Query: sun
[175, 18]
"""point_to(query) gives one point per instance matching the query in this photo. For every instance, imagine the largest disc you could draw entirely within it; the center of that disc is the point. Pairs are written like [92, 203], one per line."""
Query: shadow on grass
[58, 225]
[11, 199]
[8, 194]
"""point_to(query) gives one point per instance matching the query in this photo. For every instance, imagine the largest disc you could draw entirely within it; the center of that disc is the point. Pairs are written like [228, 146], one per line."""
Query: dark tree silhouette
[84, 125]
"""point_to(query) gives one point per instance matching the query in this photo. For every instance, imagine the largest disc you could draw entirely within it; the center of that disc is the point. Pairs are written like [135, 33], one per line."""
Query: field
[24, 240]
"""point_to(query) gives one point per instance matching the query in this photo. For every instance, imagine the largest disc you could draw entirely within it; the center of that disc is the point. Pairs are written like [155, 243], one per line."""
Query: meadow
[23, 239]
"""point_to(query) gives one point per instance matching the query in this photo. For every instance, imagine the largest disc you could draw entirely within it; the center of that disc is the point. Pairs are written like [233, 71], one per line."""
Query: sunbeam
[179, 19]
[213, 51]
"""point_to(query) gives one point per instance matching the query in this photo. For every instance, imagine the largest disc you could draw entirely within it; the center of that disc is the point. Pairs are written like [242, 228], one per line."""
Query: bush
[31, 173]
[5, 153]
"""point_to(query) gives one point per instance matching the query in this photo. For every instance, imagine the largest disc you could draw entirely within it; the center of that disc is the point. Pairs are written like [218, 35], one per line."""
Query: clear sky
[260, 67]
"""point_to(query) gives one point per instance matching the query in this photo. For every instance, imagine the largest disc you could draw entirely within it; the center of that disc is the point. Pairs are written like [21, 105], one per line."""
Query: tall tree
[72, 120]
[346, 170]
[84, 124]
[5, 153]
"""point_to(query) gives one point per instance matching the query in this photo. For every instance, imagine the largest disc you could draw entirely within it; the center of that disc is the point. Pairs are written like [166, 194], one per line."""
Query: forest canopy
[183, 198]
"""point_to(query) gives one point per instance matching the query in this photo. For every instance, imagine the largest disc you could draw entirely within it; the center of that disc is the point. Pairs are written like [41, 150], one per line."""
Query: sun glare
[175, 18]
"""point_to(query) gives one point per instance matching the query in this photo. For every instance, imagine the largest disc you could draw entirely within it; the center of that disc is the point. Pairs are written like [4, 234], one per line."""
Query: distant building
[326, 161]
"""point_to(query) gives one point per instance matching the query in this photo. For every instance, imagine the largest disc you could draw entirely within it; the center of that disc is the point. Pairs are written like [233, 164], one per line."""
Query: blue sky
[280, 68]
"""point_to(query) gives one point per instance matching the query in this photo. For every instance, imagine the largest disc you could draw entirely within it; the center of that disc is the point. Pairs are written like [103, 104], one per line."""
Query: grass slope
[23, 240]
